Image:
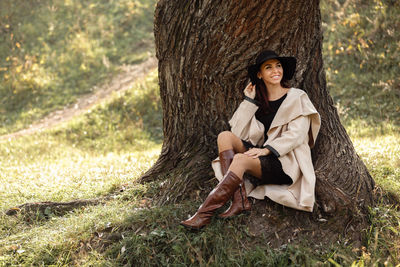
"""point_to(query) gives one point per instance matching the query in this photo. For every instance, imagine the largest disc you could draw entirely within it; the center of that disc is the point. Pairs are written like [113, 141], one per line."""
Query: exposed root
[48, 208]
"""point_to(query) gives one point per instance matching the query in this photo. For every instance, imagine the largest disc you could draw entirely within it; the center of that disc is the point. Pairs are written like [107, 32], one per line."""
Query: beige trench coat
[291, 135]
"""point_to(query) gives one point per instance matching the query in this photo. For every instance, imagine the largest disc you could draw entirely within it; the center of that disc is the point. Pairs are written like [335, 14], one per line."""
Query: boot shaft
[225, 159]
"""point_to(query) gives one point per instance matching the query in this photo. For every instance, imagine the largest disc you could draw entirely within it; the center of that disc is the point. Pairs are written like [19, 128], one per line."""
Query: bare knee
[224, 136]
[241, 160]
[225, 139]
[242, 163]
[228, 140]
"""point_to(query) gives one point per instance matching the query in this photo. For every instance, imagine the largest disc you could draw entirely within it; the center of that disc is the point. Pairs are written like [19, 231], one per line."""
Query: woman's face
[271, 72]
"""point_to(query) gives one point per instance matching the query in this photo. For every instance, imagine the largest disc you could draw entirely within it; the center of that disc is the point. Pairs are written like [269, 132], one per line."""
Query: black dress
[271, 167]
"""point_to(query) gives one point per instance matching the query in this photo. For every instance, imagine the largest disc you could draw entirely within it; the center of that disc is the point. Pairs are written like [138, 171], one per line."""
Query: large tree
[203, 48]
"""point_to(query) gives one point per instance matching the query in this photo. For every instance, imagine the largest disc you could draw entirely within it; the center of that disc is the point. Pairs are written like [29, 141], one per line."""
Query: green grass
[380, 150]
[105, 150]
[88, 156]
[52, 52]
[129, 120]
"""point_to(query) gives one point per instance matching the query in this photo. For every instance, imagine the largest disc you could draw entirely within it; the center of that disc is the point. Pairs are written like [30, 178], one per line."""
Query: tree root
[47, 208]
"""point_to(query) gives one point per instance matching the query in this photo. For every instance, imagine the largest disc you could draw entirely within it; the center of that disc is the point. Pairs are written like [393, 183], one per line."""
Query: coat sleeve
[295, 135]
[245, 125]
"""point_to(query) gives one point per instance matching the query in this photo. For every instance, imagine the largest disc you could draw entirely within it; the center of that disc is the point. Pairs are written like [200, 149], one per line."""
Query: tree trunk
[203, 48]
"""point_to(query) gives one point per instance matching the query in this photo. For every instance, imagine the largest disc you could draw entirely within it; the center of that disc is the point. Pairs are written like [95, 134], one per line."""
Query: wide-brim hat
[288, 65]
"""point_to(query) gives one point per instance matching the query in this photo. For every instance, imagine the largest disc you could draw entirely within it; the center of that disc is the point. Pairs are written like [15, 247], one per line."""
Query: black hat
[288, 65]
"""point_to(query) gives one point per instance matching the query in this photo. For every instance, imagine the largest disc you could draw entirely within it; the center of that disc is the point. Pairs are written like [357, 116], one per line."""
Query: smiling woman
[272, 132]
[271, 72]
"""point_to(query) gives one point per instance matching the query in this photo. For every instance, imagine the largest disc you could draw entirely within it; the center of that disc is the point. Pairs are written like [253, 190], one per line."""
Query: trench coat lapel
[292, 107]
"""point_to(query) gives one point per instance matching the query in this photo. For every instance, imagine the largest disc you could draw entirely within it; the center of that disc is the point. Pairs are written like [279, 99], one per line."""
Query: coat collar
[296, 104]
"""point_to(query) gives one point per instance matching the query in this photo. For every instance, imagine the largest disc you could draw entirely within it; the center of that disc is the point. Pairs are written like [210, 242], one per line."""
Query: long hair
[262, 95]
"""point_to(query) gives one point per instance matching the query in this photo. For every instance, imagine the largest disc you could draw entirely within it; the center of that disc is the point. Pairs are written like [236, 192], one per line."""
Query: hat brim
[288, 65]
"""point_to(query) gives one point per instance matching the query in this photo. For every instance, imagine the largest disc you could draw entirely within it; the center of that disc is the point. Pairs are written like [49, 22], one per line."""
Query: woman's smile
[271, 71]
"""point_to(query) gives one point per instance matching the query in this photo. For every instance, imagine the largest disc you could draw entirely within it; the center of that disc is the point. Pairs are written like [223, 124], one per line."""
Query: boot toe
[196, 222]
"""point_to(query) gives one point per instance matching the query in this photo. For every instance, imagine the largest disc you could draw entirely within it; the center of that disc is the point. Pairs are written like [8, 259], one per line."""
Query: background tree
[203, 49]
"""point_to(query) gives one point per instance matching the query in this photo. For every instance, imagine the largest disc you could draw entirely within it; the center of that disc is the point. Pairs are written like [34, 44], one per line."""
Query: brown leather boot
[216, 199]
[240, 203]
[225, 159]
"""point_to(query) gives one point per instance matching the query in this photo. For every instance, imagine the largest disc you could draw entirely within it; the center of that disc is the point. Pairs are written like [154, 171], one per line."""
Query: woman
[271, 134]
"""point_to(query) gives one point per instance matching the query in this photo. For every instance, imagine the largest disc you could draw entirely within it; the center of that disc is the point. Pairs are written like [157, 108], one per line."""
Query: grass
[380, 150]
[88, 156]
[94, 155]
[70, 163]
[53, 52]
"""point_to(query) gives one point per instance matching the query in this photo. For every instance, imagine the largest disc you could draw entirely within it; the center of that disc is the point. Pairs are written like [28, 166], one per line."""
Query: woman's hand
[257, 152]
[250, 91]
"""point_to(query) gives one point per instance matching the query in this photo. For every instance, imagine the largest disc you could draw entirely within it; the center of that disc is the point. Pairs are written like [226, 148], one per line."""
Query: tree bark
[203, 48]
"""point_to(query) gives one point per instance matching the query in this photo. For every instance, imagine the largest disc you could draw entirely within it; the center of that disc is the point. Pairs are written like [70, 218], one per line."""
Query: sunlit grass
[379, 148]
[44, 167]
[87, 157]
[101, 153]
[65, 173]
[69, 174]
[66, 240]
[382, 157]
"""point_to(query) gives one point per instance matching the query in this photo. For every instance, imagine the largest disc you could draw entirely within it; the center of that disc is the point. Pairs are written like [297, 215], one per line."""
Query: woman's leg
[227, 140]
[228, 145]
[242, 163]
[229, 185]
[216, 199]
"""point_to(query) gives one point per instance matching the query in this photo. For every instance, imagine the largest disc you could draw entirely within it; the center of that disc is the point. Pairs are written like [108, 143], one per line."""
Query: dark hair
[262, 94]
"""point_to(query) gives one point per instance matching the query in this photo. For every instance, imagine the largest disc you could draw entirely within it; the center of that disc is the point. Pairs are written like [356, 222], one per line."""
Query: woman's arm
[245, 125]
[257, 152]
[243, 122]
[242, 116]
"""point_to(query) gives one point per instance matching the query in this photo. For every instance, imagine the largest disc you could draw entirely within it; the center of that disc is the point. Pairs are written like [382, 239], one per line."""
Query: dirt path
[120, 83]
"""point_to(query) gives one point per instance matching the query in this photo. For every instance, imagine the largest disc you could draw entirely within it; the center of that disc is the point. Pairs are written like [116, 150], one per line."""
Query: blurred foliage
[362, 58]
[52, 51]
